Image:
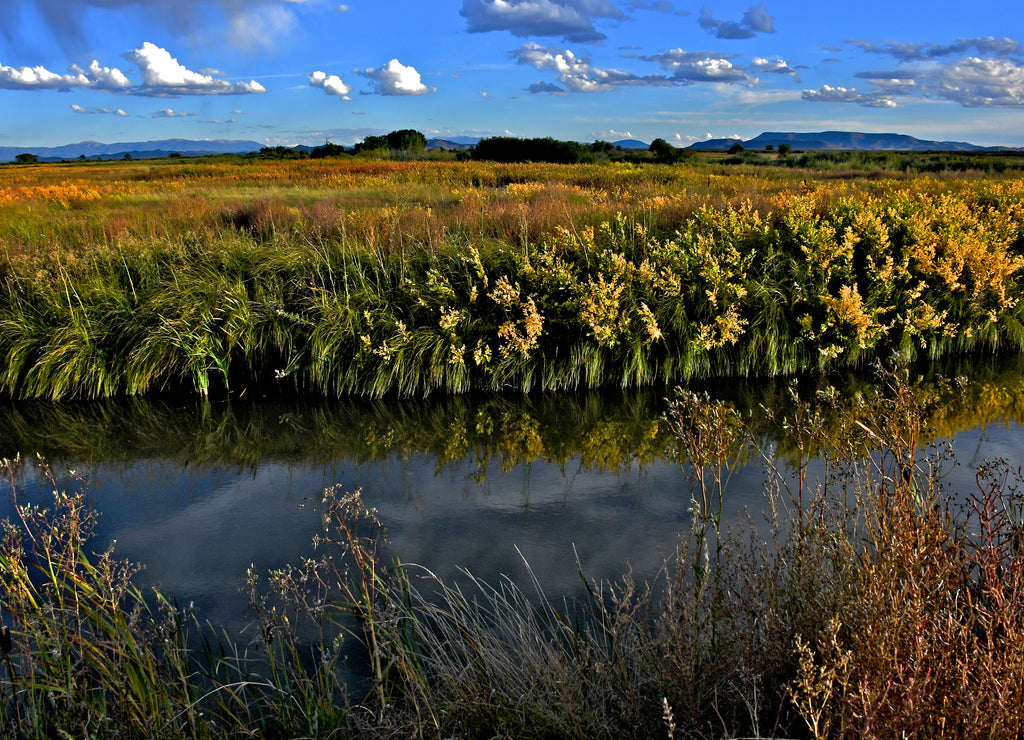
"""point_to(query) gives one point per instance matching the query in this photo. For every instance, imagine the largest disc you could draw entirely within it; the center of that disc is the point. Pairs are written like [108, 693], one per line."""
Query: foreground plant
[84, 653]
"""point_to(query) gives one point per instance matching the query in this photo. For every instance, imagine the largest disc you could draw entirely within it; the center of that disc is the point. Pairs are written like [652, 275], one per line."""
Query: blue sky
[305, 71]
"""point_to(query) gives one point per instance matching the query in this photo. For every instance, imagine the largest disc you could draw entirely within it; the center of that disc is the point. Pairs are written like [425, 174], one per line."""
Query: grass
[408, 278]
[868, 602]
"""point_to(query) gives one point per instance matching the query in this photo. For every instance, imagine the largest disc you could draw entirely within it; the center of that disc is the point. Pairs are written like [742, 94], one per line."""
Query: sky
[287, 72]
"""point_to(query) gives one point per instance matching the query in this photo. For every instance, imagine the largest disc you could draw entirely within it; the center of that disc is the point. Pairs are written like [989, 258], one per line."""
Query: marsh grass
[407, 278]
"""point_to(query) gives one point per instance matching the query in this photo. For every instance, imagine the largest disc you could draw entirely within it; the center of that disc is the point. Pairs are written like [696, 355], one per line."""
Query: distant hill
[138, 149]
[452, 145]
[630, 144]
[844, 141]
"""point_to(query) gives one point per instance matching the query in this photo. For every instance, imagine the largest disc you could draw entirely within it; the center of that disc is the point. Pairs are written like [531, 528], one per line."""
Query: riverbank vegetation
[379, 277]
[608, 431]
[869, 602]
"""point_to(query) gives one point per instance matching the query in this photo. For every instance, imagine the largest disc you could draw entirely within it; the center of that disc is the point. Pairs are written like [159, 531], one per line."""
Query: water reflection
[199, 491]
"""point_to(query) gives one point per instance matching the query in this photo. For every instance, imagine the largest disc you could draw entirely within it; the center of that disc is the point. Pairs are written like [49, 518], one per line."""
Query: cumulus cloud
[577, 74]
[700, 66]
[164, 76]
[543, 57]
[975, 82]
[342, 9]
[394, 78]
[331, 84]
[27, 78]
[774, 66]
[993, 78]
[755, 20]
[570, 19]
[168, 113]
[838, 94]
[95, 77]
[104, 111]
[912, 51]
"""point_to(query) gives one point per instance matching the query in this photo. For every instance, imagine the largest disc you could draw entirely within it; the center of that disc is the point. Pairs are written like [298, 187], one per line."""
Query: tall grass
[384, 278]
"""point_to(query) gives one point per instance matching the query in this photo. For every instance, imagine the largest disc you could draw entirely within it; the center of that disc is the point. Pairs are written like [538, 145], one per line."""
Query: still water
[199, 491]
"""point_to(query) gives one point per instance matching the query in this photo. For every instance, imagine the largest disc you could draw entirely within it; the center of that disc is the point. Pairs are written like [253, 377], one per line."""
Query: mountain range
[845, 141]
[824, 140]
[138, 149]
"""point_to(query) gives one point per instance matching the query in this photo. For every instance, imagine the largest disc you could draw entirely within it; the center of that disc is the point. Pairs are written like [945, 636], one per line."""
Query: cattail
[5, 640]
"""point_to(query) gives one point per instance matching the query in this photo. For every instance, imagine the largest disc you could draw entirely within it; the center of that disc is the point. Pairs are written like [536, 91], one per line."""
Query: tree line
[410, 142]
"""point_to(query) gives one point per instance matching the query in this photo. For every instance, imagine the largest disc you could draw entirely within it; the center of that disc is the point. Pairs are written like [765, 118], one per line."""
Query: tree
[406, 139]
[26, 158]
[328, 149]
[736, 148]
[511, 149]
[128, 156]
[662, 150]
[372, 144]
[785, 149]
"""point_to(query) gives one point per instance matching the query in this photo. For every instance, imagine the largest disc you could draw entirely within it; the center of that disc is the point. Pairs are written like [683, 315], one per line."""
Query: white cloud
[163, 76]
[839, 94]
[700, 66]
[975, 82]
[107, 111]
[105, 78]
[578, 75]
[342, 9]
[168, 113]
[18, 78]
[774, 66]
[542, 57]
[95, 77]
[331, 84]
[394, 78]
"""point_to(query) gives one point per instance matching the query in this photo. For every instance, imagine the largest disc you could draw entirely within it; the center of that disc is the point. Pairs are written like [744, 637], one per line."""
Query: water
[198, 492]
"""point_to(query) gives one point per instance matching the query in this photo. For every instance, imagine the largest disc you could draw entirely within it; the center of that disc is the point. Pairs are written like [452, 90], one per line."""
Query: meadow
[377, 277]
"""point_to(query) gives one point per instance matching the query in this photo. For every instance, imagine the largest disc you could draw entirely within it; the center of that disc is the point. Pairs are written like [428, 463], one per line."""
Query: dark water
[199, 491]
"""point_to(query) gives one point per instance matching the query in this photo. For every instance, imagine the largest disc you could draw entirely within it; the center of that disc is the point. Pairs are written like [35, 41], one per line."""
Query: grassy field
[388, 277]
